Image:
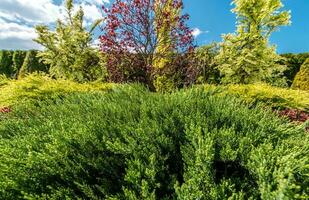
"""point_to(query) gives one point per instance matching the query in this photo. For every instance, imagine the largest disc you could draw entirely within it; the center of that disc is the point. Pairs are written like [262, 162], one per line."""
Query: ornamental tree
[144, 41]
[246, 57]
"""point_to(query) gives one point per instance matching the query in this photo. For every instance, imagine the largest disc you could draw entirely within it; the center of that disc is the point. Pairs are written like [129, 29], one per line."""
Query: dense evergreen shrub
[32, 64]
[6, 62]
[132, 144]
[301, 80]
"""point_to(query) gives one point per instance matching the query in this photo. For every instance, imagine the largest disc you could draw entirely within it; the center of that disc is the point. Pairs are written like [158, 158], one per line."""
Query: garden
[149, 114]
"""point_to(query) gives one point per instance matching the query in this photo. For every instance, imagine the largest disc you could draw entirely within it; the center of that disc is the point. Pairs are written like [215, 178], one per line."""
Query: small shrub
[294, 115]
[301, 80]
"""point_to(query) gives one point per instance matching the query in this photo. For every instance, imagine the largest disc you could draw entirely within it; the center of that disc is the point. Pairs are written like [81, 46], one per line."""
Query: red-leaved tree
[147, 39]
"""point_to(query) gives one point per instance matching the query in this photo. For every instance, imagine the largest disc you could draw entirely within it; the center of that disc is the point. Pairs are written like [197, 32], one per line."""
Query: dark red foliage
[130, 38]
[294, 115]
[5, 110]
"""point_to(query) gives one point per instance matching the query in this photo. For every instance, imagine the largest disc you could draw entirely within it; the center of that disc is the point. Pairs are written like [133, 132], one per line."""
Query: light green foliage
[68, 48]
[274, 97]
[246, 57]
[301, 80]
[31, 64]
[133, 144]
[6, 62]
[35, 87]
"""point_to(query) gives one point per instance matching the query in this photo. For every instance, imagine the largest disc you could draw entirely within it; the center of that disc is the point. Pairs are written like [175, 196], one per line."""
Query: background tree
[144, 40]
[206, 65]
[246, 57]
[68, 48]
[31, 64]
[293, 63]
[6, 63]
[18, 60]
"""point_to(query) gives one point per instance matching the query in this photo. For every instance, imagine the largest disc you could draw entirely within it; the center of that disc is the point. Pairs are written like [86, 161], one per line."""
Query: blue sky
[209, 18]
[214, 17]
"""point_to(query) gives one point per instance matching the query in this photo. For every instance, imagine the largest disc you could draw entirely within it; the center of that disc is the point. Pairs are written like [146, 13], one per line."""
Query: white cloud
[91, 11]
[18, 18]
[97, 2]
[13, 30]
[29, 11]
[17, 36]
[196, 32]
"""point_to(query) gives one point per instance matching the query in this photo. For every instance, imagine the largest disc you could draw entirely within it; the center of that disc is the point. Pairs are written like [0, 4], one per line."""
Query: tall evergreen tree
[68, 48]
[246, 56]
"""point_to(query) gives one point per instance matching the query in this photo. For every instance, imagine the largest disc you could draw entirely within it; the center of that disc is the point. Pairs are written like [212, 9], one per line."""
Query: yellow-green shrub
[273, 96]
[301, 80]
[41, 86]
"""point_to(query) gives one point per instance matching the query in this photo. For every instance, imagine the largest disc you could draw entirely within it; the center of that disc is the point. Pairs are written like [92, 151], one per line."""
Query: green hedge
[133, 144]
[6, 62]
[301, 80]
[18, 63]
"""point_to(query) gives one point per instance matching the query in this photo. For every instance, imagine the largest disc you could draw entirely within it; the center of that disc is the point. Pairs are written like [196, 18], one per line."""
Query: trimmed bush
[6, 62]
[133, 144]
[301, 80]
[32, 64]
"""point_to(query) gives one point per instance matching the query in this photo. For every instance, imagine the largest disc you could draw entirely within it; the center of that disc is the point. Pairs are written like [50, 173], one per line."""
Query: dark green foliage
[133, 144]
[18, 60]
[205, 62]
[17, 63]
[301, 80]
[32, 64]
[293, 63]
[6, 62]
